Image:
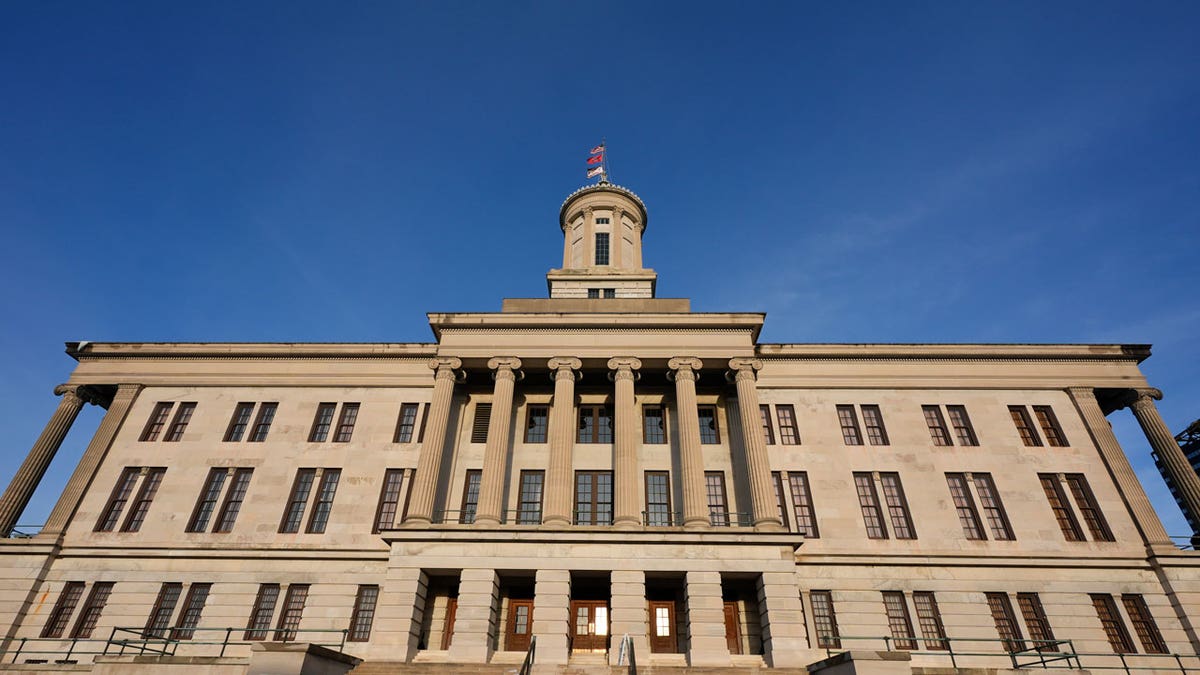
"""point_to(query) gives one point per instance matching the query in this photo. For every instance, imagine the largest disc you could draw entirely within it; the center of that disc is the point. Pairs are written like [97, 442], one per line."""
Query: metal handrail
[513, 517]
[527, 664]
[165, 644]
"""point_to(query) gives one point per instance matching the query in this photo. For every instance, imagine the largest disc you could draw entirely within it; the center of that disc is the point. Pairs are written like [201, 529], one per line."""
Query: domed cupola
[602, 228]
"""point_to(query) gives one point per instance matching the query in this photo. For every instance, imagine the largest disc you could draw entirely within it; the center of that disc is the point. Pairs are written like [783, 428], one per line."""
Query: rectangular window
[207, 503]
[658, 499]
[364, 613]
[325, 492]
[179, 424]
[764, 413]
[1006, 621]
[851, 435]
[868, 502]
[60, 616]
[962, 425]
[164, 606]
[601, 248]
[654, 426]
[145, 496]
[930, 620]
[158, 420]
[602, 221]
[1050, 428]
[593, 293]
[873, 421]
[322, 422]
[537, 423]
[802, 505]
[406, 423]
[240, 422]
[610, 293]
[293, 609]
[964, 505]
[893, 496]
[89, 616]
[1143, 624]
[899, 621]
[1058, 504]
[780, 500]
[709, 433]
[993, 508]
[389, 499]
[233, 500]
[470, 498]
[298, 501]
[479, 425]
[345, 427]
[261, 613]
[1114, 627]
[262, 424]
[595, 424]
[121, 493]
[1089, 508]
[1020, 418]
[1036, 621]
[718, 506]
[593, 497]
[824, 620]
[937, 425]
[788, 435]
[529, 506]
[193, 607]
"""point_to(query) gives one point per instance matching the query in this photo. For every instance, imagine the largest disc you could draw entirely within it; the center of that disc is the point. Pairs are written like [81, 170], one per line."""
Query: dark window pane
[709, 434]
[937, 425]
[364, 613]
[208, 499]
[293, 608]
[345, 427]
[849, 421]
[233, 500]
[962, 425]
[193, 607]
[164, 606]
[529, 509]
[1006, 622]
[993, 509]
[718, 507]
[179, 424]
[537, 423]
[1143, 624]
[1058, 504]
[145, 496]
[868, 502]
[389, 499]
[260, 616]
[56, 623]
[325, 492]
[1020, 418]
[470, 500]
[298, 500]
[898, 620]
[1049, 423]
[825, 620]
[658, 499]
[120, 496]
[479, 425]
[240, 422]
[873, 421]
[893, 495]
[1114, 627]
[89, 616]
[764, 413]
[802, 505]
[406, 423]
[654, 428]
[964, 505]
[262, 425]
[788, 434]
[930, 620]
[158, 420]
[322, 422]
[1089, 508]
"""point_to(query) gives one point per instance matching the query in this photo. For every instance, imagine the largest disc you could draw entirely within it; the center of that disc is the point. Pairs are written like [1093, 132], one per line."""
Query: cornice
[982, 353]
[603, 187]
[260, 351]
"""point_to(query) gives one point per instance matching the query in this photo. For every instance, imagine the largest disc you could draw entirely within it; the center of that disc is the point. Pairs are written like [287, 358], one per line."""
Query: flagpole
[604, 143]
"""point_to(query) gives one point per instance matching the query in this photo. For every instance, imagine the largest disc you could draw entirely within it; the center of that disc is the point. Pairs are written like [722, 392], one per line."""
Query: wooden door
[520, 625]
[733, 630]
[589, 626]
[448, 626]
[662, 627]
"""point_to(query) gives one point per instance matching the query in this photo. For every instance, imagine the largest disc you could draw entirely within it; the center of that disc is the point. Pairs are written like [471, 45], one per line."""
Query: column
[706, 620]
[89, 464]
[626, 511]
[691, 459]
[26, 480]
[616, 238]
[589, 237]
[552, 615]
[429, 463]
[559, 480]
[475, 618]
[1187, 483]
[1118, 465]
[764, 505]
[629, 614]
[495, 458]
[783, 630]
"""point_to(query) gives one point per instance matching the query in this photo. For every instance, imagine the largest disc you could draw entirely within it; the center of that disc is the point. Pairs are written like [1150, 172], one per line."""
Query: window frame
[239, 423]
[598, 487]
[713, 435]
[388, 507]
[964, 430]
[150, 480]
[64, 607]
[258, 625]
[649, 438]
[848, 420]
[1024, 425]
[523, 517]
[802, 504]
[898, 617]
[964, 506]
[718, 510]
[322, 507]
[665, 503]
[764, 413]
[157, 421]
[537, 423]
[179, 423]
[1112, 624]
[602, 249]
[472, 486]
[1051, 430]
[322, 422]
[1005, 620]
[347, 419]
[406, 424]
[595, 424]
[297, 503]
[262, 422]
[365, 602]
[93, 608]
[824, 613]
[789, 428]
[896, 502]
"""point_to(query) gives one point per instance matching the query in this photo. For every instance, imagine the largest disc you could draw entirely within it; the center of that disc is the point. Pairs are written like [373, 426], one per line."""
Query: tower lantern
[602, 228]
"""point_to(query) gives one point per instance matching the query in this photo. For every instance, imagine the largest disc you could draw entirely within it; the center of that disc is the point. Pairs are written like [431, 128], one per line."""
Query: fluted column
[559, 486]
[89, 464]
[764, 506]
[625, 443]
[691, 458]
[495, 457]
[589, 237]
[1114, 457]
[615, 239]
[26, 480]
[1187, 483]
[429, 463]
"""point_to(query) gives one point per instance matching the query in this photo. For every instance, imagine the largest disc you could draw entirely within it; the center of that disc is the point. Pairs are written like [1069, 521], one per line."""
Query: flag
[597, 150]
[595, 171]
[596, 160]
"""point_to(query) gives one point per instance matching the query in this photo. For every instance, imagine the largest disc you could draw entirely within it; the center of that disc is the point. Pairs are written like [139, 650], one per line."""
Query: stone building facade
[605, 470]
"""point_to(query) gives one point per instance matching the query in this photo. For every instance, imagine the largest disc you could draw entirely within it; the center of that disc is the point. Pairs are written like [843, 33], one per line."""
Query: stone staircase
[574, 668]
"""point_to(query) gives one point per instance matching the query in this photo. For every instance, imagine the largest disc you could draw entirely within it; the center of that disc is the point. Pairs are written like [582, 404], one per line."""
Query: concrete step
[574, 668]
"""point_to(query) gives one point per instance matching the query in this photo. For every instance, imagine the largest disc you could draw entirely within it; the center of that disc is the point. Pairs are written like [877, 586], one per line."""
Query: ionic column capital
[505, 368]
[744, 368]
[623, 367]
[1142, 400]
[447, 368]
[684, 367]
[78, 394]
[564, 367]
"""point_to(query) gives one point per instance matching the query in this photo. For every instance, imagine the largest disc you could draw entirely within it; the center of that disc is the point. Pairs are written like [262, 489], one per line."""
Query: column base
[768, 525]
[416, 521]
[556, 521]
[695, 523]
[487, 521]
[627, 523]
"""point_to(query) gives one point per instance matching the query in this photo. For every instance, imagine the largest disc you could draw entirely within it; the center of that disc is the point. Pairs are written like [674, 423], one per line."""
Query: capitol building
[601, 480]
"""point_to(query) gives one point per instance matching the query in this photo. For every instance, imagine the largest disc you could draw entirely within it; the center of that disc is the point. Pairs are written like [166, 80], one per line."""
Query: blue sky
[892, 172]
